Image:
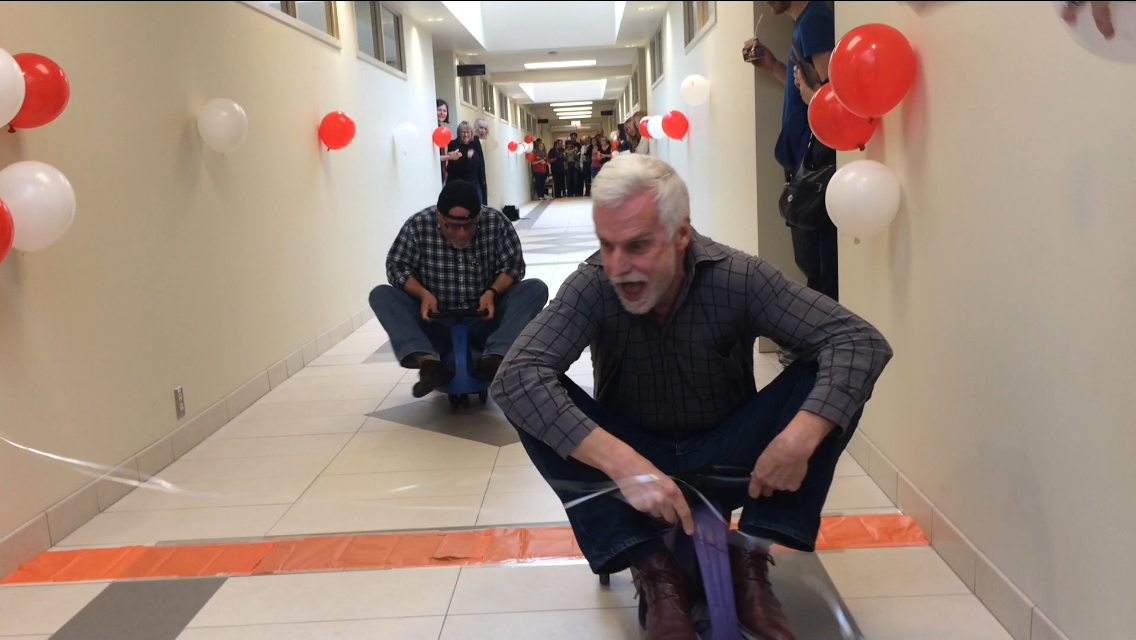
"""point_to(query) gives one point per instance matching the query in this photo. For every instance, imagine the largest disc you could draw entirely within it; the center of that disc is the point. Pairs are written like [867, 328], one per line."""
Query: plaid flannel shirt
[694, 371]
[456, 277]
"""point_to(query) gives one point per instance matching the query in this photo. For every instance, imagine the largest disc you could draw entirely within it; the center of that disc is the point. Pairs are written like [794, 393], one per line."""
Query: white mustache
[631, 278]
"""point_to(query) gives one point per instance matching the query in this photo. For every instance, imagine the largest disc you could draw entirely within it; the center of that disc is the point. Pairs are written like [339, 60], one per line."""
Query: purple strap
[713, 552]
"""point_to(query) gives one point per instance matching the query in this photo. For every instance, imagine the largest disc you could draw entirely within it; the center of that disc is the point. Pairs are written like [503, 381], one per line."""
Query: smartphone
[808, 71]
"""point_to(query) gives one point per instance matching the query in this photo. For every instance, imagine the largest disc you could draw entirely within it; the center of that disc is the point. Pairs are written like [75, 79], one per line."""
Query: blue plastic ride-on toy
[460, 360]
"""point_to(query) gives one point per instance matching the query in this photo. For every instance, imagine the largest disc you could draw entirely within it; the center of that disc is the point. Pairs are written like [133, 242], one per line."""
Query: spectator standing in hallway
[482, 133]
[814, 35]
[572, 159]
[466, 161]
[557, 162]
[443, 120]
[601, 153]
[539, 163]
[586, 165]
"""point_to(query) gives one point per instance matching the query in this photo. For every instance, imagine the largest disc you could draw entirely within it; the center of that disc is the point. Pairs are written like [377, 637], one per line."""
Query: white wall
[1006, 287]
[717, 158]
[185, 268]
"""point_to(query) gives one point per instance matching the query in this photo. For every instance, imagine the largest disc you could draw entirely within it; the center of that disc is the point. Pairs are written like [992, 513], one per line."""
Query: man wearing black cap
[454, 256]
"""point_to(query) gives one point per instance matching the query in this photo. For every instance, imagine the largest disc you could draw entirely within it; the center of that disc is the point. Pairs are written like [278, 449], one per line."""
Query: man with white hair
[482, 132]
[671, 317]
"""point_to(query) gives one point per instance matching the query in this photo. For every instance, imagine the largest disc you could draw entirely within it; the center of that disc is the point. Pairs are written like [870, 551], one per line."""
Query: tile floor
[342, 447]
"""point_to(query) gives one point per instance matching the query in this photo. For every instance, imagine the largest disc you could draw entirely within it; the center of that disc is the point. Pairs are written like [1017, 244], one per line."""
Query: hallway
[338, 506]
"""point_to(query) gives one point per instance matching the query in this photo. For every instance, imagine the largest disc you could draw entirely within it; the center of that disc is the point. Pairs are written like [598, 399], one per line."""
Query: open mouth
[632, 290]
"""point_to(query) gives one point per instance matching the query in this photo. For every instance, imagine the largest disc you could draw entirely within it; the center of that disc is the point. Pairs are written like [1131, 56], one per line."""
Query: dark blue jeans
[607, 526]
[400, 314]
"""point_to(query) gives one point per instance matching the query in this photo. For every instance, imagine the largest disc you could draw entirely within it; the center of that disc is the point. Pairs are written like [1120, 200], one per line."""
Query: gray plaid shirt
[456, 277]
[697, 369]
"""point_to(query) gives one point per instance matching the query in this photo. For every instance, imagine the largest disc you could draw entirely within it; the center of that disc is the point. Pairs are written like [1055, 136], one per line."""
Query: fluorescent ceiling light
[560, 65]
[575, 117]
[573, 113]
[582, 103]
[572, 109]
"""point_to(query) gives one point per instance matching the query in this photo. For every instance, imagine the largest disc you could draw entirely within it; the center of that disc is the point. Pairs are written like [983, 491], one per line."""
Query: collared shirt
[694, 370]
[456, 277]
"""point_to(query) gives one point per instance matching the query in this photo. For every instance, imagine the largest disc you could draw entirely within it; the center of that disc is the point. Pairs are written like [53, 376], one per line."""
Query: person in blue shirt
[814, 35]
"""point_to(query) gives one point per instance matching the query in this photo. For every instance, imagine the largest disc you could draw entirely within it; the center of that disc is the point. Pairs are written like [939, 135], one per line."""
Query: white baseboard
[1020, 617]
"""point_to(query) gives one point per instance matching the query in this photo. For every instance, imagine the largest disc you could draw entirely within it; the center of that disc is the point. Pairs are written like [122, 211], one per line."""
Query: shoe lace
[756, 566]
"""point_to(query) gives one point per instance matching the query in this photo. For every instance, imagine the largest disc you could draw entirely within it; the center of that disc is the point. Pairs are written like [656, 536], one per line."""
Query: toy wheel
[455, 401]
[605, 579]
[483, 396]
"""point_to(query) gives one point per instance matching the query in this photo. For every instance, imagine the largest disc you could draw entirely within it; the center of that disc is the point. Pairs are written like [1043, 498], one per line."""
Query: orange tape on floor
[388, 551]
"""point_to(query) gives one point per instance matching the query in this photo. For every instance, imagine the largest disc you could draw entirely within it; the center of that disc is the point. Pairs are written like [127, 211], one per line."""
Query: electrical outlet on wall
[179, 402]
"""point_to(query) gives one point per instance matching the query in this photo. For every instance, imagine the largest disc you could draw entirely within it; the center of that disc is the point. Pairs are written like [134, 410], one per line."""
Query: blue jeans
[607, 526]
[400, 314]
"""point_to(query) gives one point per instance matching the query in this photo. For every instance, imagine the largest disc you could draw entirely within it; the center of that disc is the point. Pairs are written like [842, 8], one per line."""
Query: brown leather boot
[759, 611]
[664, 593]
[431, 375]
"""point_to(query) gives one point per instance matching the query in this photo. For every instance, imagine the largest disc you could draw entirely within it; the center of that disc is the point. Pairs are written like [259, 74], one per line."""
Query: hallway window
[487, 96]
[469, 90]
[697, 18]
[502, 105]
[320, 15]
[655, 56]
[380, 32]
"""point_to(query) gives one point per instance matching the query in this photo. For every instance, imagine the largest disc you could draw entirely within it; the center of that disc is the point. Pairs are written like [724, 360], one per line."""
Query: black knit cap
[459, 193]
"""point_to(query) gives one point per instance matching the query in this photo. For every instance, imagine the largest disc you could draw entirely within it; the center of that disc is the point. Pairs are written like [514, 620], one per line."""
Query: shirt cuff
[398, 280]
[833, 404]
[568, 431]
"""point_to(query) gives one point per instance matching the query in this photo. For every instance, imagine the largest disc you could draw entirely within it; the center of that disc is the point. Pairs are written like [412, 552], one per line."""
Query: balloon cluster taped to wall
[37, 203]
[871, 71]
[673, 125]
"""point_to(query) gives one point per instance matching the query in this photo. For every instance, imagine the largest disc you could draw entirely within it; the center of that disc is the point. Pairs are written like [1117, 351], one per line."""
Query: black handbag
[802, 199]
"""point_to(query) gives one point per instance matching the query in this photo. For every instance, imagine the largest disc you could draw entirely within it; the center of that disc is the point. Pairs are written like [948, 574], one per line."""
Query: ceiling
[505, 35]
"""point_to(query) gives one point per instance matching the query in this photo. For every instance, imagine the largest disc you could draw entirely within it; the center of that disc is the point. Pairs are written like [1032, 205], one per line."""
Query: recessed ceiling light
[434, 19]
[581, 103]
[560, 65]
[647, 8]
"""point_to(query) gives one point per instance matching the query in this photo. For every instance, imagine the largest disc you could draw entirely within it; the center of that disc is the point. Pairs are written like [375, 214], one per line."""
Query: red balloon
[47, 91]
[513, 146]
[442, 137]
[337, 130]
[7, 231]
[872, 69]
[528, 139]
[675, 125]
[837, 127]
[530, 156]
[643, 129]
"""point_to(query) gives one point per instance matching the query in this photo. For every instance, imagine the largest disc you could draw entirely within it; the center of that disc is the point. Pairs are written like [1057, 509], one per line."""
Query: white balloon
[1121, 48]
[12, 87]
[42, 203]
[405, 135]
[862, 198]
[695, 90]
[655, 127]
[614, 136]
[223, 125]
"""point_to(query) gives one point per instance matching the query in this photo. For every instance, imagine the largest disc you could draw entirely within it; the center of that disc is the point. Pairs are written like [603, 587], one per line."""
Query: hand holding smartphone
[808, 71]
